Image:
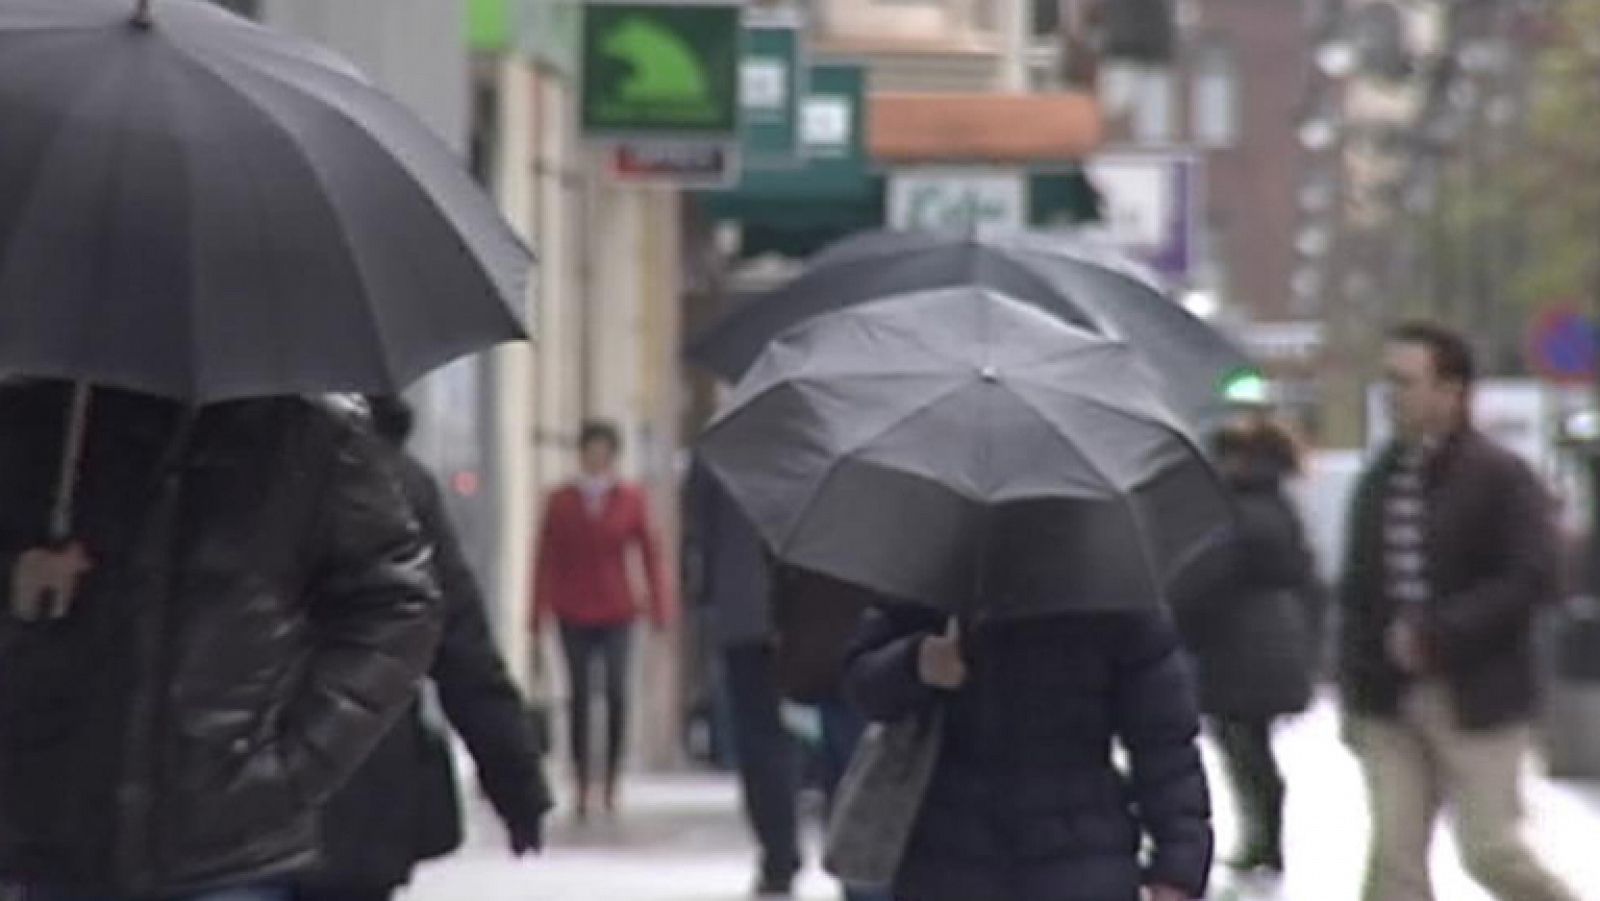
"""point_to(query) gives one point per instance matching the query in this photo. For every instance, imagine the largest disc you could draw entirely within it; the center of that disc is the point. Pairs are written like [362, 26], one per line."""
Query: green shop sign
[489, 25]
[773, 81]
[661, 70]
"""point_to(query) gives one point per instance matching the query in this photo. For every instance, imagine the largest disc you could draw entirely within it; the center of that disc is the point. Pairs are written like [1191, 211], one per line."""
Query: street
[681, 839]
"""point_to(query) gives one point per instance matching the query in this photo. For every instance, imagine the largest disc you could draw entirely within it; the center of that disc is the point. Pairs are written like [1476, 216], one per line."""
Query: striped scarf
[1405, 529]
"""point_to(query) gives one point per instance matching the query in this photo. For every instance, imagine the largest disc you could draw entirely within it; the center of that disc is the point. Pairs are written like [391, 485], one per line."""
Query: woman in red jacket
[583, 581]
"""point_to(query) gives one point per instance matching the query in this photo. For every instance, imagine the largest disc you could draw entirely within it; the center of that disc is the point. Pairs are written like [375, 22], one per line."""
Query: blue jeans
[842, 728]
[270, 892]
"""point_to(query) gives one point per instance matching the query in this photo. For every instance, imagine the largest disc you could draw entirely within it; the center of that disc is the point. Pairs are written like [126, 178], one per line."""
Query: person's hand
[939, 661]
[527, 839]
[1165, 893]
[1406, 648]
[44, 581]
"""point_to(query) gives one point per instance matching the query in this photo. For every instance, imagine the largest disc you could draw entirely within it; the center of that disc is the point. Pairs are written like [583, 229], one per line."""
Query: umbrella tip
[142, 16]
[989, 374]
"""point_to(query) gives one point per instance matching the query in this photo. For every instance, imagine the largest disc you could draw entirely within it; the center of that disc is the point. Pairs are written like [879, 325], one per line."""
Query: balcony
[914, 45]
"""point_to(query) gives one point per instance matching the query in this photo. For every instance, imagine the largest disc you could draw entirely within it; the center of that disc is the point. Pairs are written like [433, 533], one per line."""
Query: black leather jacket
[401, 806]
[178, 729]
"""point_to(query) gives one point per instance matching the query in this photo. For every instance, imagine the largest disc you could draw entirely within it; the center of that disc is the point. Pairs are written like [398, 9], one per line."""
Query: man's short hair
[600, 431]
[1453, 359]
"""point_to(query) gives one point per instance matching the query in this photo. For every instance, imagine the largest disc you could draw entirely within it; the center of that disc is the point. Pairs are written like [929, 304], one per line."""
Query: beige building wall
[606, 312]
[514, 369]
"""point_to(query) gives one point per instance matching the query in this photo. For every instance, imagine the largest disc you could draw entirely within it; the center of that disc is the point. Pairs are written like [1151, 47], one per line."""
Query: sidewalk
[681, 839]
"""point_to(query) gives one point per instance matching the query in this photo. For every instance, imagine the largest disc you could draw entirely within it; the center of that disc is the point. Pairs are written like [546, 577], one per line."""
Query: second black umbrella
[1075, 282]
[925, 446]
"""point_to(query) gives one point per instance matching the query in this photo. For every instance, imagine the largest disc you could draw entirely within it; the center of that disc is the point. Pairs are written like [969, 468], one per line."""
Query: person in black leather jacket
[401, 807]
[257, 608]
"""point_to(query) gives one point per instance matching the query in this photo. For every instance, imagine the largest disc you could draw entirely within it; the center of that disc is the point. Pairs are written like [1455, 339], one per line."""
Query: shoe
[1257, 859]
[772, 885]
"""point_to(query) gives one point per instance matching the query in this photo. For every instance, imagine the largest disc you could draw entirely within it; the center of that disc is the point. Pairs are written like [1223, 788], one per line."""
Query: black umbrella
[196, 207]
[199, 208]
[934, 443]
[1075, 281]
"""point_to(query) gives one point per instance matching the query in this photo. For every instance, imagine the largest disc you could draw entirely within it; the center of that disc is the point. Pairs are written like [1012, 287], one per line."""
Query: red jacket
[581, 575]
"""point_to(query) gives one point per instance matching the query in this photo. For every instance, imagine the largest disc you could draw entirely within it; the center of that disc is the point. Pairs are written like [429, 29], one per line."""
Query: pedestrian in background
[1025, 802]
[253, 607]
[816, 617]
[1253, 634]
[402, 807]
[593, 529]
[1452, 553]
[731, 583]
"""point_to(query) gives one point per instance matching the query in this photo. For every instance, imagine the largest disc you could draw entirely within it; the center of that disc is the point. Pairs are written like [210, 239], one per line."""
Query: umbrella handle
[142, 17]
[71, 461]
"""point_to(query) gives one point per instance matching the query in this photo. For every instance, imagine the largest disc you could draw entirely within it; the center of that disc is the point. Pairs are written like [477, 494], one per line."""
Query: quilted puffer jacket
[1026, 802]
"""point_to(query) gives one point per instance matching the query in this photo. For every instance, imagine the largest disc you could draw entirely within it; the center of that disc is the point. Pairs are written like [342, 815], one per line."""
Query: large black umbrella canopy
[200, 208]
[1076, 281]
[955, 446]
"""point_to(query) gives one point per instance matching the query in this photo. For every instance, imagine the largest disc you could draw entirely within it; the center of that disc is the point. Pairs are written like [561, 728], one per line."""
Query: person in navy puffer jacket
[1027, 802]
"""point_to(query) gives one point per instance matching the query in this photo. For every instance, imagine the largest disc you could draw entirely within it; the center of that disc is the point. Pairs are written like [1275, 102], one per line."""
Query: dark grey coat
[726, 564]
[1254, 633]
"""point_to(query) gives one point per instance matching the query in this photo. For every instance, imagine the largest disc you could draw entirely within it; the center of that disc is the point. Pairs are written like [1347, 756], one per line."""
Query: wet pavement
[681, 838]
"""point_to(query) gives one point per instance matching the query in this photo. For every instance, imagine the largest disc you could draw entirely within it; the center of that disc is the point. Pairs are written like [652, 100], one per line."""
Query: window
[1214, 107]
[1143, 94]
[1046, 18]
[1138, 30]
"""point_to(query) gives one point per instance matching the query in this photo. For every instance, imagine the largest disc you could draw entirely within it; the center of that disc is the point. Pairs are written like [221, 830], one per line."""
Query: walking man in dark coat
[402, 806]
[732, 584]
[1452, 552]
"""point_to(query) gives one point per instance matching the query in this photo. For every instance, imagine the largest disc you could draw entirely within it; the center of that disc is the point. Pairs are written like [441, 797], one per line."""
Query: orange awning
[989, 128]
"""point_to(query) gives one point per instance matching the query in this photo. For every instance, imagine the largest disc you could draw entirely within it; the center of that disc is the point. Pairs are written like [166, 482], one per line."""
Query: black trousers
[769, 758]
[606, 648]
[1257, 780]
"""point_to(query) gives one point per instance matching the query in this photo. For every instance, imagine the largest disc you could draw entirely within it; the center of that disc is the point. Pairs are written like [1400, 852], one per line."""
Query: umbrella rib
[1047, 290]
[377, 334]
[770, 313]
[423, 186]
[1169, 425]
[1120, 494]
[1181, 434]
[844, 455]
[1105, 263]
[1121, 270]
[44, 159]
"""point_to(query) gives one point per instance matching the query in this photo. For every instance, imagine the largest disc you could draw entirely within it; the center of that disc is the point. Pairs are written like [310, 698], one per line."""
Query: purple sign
[1151, 208]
